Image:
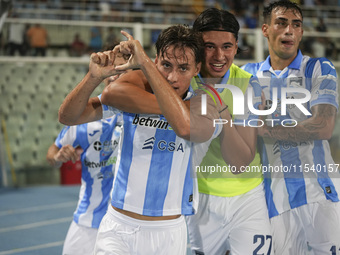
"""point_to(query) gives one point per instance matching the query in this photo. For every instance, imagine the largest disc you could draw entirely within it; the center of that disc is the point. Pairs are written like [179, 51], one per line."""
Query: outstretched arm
[318, 127]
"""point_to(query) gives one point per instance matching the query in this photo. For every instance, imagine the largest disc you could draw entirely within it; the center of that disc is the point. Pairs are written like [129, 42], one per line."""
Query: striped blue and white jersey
[297, 173]
[153, 173]
[99, 141]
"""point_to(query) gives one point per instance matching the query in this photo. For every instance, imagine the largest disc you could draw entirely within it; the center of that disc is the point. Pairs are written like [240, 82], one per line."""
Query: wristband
[225, 108]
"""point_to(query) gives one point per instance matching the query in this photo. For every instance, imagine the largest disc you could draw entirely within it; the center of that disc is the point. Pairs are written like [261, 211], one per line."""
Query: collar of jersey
[296, 64]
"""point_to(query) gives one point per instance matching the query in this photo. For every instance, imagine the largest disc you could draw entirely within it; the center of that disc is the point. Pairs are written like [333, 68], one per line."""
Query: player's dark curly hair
[181, 37]
[285, 4]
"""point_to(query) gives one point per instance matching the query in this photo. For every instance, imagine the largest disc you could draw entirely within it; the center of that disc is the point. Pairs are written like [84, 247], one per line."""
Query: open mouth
[287, 42]
[217, 67]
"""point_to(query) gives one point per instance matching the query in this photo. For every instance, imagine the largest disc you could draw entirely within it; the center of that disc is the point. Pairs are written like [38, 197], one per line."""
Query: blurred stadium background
[32, 88]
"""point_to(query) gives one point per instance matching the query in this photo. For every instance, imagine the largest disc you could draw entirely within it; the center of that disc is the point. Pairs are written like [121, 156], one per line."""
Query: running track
[35, 220]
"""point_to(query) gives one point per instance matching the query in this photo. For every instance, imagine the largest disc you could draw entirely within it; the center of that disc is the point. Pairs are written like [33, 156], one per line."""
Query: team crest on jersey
[269, 104]
[162, 145]
[295, 82]
[106, 148]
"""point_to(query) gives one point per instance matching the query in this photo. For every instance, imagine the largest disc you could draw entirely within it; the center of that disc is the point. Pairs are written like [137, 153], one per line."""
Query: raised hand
[134, 48]
[103, 64]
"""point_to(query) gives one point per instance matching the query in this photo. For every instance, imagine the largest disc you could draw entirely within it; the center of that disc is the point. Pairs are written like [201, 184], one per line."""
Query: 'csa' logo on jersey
[162, 145]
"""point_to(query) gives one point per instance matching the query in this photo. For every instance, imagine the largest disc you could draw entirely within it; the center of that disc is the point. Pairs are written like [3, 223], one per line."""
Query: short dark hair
[285, 4]
[214, 19]
[180, 36]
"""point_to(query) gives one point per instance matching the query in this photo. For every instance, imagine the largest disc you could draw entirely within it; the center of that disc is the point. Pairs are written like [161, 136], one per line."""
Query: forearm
[319, 127]
[235, 151]
[130, 98]
[76, 103]
[238, 144]
[50, 157]
[300, 133]
[171, 105]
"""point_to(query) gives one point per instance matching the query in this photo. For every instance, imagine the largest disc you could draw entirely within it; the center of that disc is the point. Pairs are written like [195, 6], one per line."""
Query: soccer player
[153, 187]
[95, 143]
[237, 218]
[232, 213]
[302, 197]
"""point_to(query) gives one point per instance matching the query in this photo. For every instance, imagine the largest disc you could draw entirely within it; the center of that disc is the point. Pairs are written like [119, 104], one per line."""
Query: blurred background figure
[16, 36]
[111, 38]
[38, 38]
[96, 41]
[78, 46]
[95, 145]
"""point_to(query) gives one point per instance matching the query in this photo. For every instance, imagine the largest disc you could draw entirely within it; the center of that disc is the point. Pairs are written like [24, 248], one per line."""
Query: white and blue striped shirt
[305, 171]
[153, 174]
[99, 141]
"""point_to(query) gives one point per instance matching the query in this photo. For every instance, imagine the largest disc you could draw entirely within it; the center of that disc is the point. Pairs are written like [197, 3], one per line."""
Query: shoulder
[319, 66]
[237, 72]
[251, 67]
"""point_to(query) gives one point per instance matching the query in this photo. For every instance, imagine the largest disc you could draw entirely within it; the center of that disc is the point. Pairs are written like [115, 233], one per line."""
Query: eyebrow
[294, 20]
[186, 65]
[210, 43]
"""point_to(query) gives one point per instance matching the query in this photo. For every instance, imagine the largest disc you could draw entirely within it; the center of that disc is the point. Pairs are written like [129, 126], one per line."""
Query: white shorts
[79, 240]
[119, 234]
[309, 229]
[239, 224]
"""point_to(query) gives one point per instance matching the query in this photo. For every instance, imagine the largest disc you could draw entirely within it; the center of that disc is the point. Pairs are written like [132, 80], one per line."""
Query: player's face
[220, 49]
[284, 33]
[178, 68]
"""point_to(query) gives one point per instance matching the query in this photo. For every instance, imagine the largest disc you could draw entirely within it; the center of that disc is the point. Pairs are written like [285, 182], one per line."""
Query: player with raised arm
[236, 145]
[153, 186]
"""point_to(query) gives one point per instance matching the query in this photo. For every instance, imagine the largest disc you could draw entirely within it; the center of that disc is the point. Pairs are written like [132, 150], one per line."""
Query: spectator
[38, 38]
[16, 38]
[78, 47]
[320, 44]
[96, 42]
[111, 38]
[26, 44]
[321, 26]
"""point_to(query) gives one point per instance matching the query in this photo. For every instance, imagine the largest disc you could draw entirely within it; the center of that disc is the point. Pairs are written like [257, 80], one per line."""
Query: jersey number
[261, 239]
[333, 250]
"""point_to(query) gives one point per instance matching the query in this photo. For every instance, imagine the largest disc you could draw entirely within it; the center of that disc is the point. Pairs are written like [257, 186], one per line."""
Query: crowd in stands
[21, 39]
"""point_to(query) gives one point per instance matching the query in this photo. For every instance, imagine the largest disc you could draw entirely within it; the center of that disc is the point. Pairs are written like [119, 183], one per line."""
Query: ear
[198, 68]
[265, 30]
[236, 48]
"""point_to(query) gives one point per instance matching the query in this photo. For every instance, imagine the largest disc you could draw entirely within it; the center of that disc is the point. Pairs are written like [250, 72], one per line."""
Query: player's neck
[278, 63]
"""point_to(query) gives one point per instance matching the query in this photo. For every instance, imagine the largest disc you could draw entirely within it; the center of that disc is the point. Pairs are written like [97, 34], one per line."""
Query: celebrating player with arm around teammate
[246, 224]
